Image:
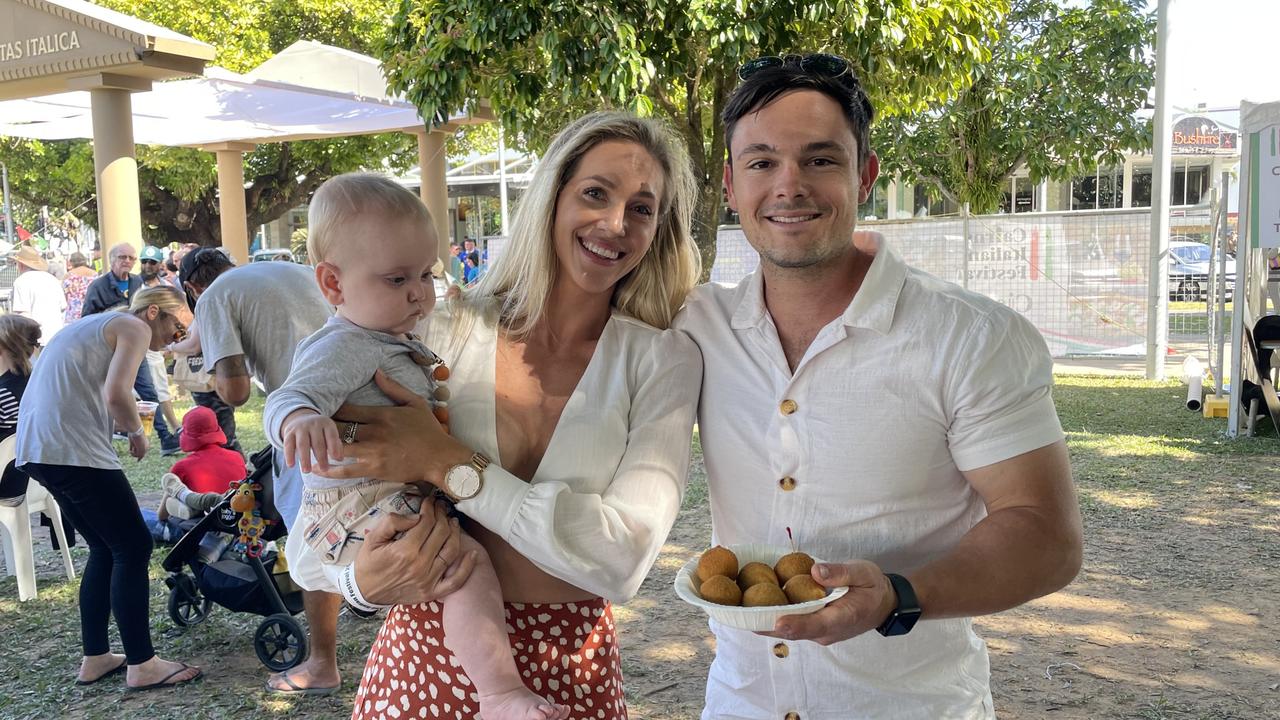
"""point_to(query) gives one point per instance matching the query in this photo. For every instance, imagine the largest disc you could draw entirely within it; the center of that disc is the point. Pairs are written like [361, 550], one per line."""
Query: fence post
[964, 232]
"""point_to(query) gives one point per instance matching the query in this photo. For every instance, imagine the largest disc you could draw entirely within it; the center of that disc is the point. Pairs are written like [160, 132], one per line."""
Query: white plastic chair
[16, 521]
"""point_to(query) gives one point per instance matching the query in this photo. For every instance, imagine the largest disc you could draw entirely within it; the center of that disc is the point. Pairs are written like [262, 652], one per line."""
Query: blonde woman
[84, 379]
[571, 414]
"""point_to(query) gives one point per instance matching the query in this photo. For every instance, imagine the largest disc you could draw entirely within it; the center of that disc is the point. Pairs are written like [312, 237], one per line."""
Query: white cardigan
[606, 494]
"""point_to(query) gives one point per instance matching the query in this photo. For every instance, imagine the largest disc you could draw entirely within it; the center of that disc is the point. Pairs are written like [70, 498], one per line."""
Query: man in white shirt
[38, 294]
[901, 427]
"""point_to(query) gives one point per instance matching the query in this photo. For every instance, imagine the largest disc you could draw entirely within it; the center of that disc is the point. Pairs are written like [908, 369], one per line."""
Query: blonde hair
[522, 277]
[19, 337]
[165, 297]
[344, 198]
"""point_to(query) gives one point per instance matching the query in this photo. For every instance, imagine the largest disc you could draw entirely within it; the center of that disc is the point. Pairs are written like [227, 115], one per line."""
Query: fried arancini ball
[803, 588]
[719, 560]
[755, 572]
[763, 594]
[720, 590]
[792, 564]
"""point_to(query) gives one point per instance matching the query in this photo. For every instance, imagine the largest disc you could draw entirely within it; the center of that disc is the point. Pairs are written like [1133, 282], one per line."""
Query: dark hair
[768, 84]
[201, 267]
[78, 260]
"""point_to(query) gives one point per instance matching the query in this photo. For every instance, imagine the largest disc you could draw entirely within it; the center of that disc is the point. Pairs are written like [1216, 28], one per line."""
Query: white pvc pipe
[1195, 393]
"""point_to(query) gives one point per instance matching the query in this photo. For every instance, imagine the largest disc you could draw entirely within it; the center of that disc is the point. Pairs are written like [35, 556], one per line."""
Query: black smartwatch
[903, 617]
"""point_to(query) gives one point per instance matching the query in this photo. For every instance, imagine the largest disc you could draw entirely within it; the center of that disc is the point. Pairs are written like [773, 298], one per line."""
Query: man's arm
[231, 380]
[1029, 545]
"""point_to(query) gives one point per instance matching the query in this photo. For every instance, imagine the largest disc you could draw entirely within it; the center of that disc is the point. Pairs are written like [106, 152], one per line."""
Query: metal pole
[8, 206]
[1158, 268]
[964, 267]
[1220, 373]
[502, 178]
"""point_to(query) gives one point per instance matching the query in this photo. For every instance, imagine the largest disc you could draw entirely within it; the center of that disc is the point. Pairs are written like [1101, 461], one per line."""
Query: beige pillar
[115, 169]
[234, 221]
[432, 167]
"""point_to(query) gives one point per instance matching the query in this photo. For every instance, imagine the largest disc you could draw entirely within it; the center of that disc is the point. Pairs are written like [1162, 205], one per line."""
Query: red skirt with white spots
[567, 653]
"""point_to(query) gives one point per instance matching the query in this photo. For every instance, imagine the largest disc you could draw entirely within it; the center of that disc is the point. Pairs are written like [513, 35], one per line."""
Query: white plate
[747, 618]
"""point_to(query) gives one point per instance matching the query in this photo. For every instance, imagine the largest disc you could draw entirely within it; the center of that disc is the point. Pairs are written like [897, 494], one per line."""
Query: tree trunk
[706, 221]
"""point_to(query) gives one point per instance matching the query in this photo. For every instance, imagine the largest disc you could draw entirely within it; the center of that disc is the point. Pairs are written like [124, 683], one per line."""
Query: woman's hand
[403, 444]
[138, 445]
[408, 559]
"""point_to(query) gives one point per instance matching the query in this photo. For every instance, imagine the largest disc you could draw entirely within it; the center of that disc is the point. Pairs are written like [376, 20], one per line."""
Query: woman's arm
[604, 542]
[129, 337]
[188, 346]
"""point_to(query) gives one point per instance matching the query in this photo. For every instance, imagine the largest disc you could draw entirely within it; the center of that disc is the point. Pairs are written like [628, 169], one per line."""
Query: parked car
[268, 254]
[1189, 270]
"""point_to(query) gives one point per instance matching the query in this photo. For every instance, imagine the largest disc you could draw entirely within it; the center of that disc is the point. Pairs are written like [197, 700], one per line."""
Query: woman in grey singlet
[84, 380]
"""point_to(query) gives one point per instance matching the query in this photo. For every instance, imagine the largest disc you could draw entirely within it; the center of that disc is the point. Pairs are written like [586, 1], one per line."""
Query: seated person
[19, 338]
[197, 482]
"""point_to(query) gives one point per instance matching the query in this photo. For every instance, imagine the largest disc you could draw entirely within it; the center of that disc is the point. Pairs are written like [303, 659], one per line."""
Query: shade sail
[223, 107]
[307, 91]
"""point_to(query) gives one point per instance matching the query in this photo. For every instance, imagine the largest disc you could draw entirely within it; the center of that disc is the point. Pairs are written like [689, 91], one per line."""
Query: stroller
[239, 575]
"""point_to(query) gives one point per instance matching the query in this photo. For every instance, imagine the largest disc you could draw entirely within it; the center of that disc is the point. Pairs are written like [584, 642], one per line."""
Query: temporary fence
[1080, 277]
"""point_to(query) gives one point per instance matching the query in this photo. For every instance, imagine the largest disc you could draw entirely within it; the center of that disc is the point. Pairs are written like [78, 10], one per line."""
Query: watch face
[463, 481]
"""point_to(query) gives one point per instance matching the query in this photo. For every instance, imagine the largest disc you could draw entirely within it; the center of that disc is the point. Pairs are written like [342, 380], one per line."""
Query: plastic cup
[147, 411]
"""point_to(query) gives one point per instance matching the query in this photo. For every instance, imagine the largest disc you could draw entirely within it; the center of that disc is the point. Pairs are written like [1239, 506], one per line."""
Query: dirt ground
[1175, 614]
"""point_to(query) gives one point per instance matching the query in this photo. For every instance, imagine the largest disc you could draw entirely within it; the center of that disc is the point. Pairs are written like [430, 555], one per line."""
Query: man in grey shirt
[251, 319]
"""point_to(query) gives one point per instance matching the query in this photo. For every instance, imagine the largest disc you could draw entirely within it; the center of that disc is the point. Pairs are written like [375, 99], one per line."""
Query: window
[1084, 193]
[1190, 184]
[877, 205]
[925, 204]
[1141, 188]
[1024, 195]
[1111, 187]
[1104, 190]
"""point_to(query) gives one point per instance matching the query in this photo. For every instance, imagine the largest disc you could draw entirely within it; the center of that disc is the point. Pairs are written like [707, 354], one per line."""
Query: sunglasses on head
[813, 63]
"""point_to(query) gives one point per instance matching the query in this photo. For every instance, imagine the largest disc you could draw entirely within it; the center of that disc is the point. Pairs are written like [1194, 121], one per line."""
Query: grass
[1133, 450]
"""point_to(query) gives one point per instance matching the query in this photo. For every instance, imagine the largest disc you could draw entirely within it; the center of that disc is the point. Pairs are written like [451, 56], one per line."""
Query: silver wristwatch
[463, 482]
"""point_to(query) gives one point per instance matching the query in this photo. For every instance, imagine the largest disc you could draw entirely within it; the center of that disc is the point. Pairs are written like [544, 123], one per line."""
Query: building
[1205, 145]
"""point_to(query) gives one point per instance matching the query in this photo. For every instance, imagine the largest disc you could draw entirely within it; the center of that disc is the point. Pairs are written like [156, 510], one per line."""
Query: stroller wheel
[280, 642]
[187, 606]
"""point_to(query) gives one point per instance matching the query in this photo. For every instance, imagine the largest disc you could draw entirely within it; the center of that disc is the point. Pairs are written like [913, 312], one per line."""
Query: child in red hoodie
[197, 482]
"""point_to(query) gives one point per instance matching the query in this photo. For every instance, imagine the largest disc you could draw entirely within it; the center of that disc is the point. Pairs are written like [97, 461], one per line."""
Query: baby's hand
[307, 433]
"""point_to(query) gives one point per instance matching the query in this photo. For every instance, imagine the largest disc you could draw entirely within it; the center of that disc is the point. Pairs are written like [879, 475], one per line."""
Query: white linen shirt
[600, 505]
[860, 452]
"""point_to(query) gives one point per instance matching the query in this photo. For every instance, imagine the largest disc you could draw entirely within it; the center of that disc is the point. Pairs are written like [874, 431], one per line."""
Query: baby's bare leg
[473, 616]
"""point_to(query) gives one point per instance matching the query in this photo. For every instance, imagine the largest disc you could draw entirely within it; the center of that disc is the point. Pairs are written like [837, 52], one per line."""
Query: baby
[374, 245]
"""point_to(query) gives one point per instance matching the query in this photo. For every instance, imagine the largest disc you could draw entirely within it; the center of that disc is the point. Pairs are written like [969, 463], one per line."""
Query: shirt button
[792, 716]
[788, 406]
[787, 483]
[781, 650]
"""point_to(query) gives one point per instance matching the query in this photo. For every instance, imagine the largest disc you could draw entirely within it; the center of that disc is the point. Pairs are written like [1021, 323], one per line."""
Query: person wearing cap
[199, 480]
[251, 319]
[114, 288]
[151, 261]
[37, 294]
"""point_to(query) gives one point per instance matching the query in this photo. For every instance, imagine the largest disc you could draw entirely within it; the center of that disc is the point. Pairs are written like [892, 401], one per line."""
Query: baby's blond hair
[345, 198]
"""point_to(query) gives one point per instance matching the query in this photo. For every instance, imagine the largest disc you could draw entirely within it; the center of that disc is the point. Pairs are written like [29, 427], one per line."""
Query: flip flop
[165, 682]
[296, 689]
[124, 665]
